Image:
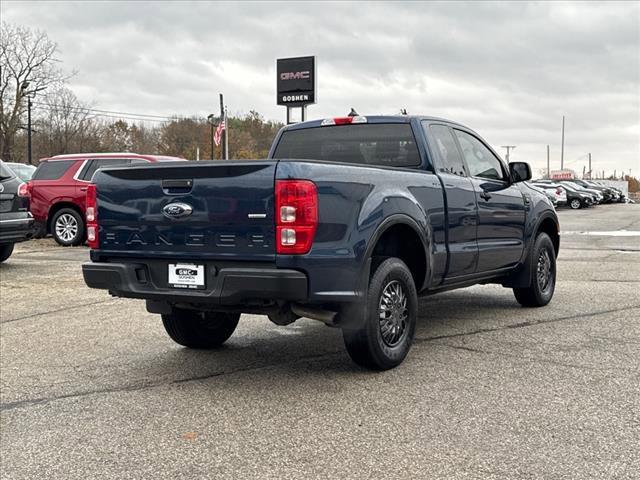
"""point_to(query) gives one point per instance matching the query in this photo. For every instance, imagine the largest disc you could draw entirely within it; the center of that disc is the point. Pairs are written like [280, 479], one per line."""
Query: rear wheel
[543, 274]
[202, 330]
[384, 335]
[67, 227]
[5, 251]
[575, 204]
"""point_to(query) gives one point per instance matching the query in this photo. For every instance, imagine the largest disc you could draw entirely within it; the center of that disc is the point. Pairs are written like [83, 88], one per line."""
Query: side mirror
[520, 171]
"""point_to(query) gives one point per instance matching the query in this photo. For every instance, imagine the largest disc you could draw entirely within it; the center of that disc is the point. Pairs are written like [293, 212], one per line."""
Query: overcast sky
[507, 70]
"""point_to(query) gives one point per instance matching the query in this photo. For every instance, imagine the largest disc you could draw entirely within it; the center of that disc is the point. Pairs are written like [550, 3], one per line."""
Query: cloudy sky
[508, 70]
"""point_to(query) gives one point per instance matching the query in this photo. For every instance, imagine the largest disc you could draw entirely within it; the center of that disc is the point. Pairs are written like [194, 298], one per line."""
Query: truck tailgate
[204, 209]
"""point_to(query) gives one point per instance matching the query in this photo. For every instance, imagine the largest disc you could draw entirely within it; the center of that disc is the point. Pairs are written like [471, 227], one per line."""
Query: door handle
[83, 189]
[485, 195]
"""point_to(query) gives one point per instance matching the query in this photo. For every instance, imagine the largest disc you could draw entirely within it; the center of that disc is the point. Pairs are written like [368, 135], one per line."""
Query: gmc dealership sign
[296, 83]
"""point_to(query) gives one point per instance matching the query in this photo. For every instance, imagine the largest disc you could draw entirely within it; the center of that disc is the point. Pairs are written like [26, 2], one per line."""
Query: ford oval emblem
[177, 210]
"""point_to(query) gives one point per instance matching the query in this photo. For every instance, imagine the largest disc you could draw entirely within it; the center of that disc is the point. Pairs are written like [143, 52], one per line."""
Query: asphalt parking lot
[92, 387]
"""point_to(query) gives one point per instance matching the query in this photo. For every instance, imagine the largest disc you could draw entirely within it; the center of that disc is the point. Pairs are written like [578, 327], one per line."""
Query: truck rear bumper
[16, 230]
[229, 286]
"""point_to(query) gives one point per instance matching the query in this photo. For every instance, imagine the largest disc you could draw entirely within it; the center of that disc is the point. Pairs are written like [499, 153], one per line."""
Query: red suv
[58, 190]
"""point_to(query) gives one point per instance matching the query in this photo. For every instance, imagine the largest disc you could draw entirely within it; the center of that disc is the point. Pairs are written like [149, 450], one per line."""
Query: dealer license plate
[186, 275]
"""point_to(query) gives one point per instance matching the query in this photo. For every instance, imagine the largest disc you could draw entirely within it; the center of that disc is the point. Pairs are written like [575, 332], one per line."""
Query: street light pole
[224, 132]
[562, 147]
[548, 165]
[29, 156]
[211, 118]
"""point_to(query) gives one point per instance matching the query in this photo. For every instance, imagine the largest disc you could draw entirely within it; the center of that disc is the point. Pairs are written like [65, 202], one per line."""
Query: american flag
[218, 135]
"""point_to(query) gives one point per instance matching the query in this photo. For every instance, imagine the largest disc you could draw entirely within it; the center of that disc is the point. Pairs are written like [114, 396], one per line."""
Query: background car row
[50, 199]
[577, 193]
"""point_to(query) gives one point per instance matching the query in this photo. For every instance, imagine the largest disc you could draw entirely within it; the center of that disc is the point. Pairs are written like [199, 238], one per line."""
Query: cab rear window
[384, 144]
[52, 170]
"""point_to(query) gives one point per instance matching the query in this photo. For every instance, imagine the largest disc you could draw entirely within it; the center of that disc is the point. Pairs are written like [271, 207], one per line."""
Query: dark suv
[16, 223]
[58, 190]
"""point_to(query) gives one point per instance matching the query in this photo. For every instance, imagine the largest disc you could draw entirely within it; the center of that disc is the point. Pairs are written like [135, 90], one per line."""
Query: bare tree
[27, 66]
[65, 122]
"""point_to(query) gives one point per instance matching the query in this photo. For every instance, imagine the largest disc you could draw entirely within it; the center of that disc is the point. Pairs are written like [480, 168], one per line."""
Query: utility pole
[562, 147]
[211, 118]
[548, 166]
[509, 148]
[29, 157]
[226, 135]
[589, 165]
[224, 132]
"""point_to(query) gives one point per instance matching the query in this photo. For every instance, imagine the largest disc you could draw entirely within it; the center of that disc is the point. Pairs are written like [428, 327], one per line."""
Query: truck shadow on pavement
[309, 346]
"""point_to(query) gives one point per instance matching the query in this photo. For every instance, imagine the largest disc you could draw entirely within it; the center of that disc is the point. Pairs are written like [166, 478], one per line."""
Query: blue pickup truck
[347, 221]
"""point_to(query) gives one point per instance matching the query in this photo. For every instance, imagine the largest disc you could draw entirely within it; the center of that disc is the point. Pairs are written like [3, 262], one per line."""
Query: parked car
[16, 223]
[618, 195]
[597, 196]
[23, 171]
[558, 193]
[575, 199]
[58, 190]
[608, 194]
[579, 198]
[347, 222]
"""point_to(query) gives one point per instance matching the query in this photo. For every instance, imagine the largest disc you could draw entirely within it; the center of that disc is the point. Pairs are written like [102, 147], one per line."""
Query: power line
[101, 112]
[120, 117]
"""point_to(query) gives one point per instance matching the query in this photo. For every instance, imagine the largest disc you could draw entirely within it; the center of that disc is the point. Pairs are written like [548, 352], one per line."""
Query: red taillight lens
[296, 215]
[343, 120]
[24, 190]
[92, 216]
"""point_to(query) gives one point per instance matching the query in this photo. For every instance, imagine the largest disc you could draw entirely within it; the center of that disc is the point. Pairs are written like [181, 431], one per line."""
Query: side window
[445, 144]
[96, 164]
[85, 170]
[480, 160]
[52, 169]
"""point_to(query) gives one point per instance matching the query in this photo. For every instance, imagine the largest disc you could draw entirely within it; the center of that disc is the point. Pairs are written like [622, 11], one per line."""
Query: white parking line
[605, 233]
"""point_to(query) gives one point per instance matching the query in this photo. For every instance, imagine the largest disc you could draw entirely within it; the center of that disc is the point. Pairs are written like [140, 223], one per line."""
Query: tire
[67, 227]
[575, 204]
[5, 251]
[543, 274]
[201, 330]
[377, 343]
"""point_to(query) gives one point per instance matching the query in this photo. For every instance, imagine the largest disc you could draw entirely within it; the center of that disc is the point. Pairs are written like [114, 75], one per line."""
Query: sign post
[296, 84]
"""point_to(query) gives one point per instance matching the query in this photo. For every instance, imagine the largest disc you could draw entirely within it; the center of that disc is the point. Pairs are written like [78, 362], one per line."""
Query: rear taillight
[296, 215]
[92, 217]
[24, 190]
